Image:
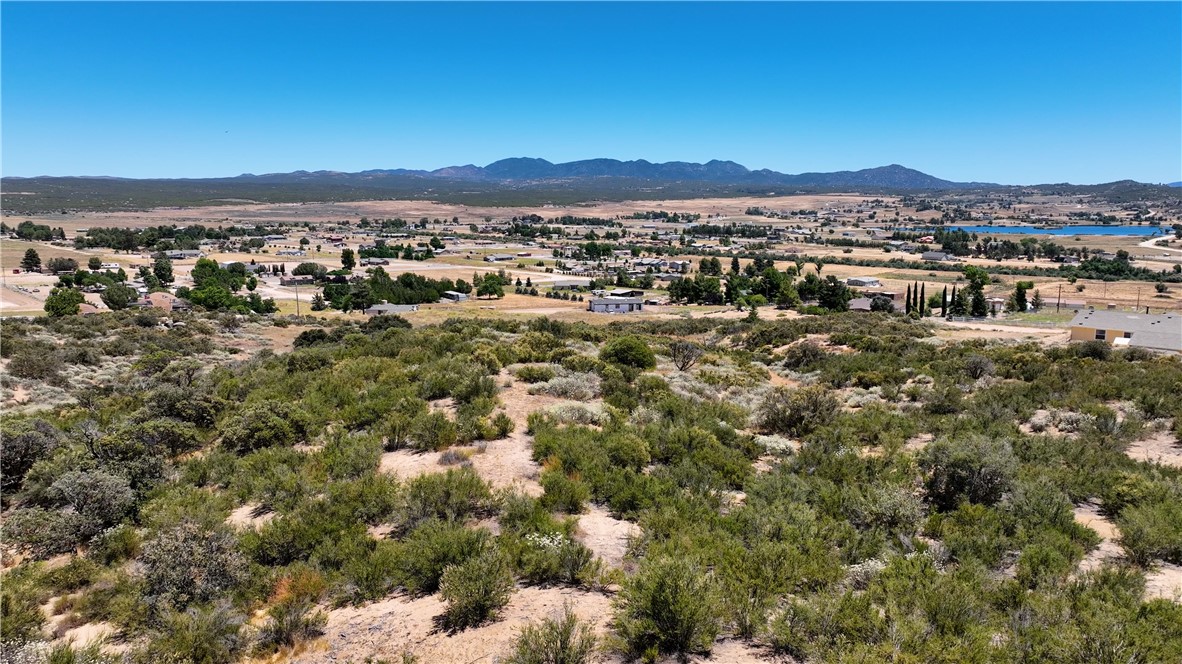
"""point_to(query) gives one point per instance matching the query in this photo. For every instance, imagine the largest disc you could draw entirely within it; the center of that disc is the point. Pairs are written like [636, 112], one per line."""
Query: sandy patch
[386, 629]
[918, 442]
[250, 515]
[606, 535]
[408, 464]
[509, 462]
[90, 633]
[1161, 448]
[1089, 515]
[1164, 582]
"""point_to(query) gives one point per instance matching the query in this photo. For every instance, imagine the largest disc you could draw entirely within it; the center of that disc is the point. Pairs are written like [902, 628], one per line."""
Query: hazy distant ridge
[527, 169]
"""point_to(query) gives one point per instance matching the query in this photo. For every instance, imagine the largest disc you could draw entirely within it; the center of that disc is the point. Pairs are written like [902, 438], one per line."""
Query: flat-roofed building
[1119, 328]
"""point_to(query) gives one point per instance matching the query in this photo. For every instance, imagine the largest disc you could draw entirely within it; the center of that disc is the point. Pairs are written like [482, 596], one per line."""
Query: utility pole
[297, 291]
[1060, 300]
[1138, 298]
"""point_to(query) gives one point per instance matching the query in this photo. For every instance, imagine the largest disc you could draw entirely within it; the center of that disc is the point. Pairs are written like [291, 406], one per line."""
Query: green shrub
[669, 607]
[114, 545]
[582, 364]
[796, 412]
[449, 496]
[431, 548]
[476, 589]
[432, 431]
[188, 564]
[972, 532]
[564, 493]
[351, 456]
[975, 468]
[534, 373]
[566, 640]
[1152, 531]
[267, 424]
[552, 557]
[806, 630]
[20, 613]
[503, 425]
[1047, 561]
[25, 443]
[290, 622]
[201, 636]
[372, 576]
[630, 352]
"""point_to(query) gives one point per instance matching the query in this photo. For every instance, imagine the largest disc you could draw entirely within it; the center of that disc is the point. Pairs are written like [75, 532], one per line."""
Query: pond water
[1146, 231]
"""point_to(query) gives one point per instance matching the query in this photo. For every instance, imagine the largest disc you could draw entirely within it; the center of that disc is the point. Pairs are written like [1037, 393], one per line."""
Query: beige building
[1122, 329]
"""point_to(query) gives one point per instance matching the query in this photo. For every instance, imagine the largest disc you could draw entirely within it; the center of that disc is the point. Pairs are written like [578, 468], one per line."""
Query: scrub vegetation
[830, 488]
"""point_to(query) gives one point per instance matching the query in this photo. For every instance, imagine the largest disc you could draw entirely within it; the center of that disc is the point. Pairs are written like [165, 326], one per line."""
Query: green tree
[162, 270]
[31, 260]
[63, 302]
[490, 286]
[94, 263]
[348, 260]
[118, 297]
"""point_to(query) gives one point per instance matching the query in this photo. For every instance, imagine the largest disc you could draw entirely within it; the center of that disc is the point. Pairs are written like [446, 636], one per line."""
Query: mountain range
[532, 170]
[510, 182]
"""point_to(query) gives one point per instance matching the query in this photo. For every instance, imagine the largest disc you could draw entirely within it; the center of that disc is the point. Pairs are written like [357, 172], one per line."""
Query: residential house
[937, 256]
[1119, 328]
[571, 284]
[615, 305]
[863, 282]
[499, 258]
[182, 254]
[384, 308]
[625, 292]
[163, 301]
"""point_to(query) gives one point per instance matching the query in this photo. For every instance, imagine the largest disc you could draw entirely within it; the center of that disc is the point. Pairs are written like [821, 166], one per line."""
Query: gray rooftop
[1149, 331]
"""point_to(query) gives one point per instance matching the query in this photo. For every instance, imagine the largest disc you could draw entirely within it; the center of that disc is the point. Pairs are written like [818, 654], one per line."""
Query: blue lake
[1146, 231]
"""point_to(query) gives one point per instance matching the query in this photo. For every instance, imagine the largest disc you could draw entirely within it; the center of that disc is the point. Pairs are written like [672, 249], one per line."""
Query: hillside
[515, 181]
[809, 489]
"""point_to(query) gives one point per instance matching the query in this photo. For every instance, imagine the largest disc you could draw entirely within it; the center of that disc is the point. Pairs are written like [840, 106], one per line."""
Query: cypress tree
[923, 301]
[944, 302]
[907, 304]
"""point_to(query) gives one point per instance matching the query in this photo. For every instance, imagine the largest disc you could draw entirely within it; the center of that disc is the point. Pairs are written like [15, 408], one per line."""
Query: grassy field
[1044, 316]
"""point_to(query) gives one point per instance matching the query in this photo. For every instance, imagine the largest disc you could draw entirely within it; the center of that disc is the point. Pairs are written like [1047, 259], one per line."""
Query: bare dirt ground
[1163, 581]
[391, 627]
[961, 331]
[607, 536]
[249, 515]
[1089, 515]
[408, 464]
[1161, 447]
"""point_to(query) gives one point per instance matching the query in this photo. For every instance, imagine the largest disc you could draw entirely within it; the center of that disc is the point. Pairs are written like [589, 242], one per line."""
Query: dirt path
[1164, 581]
[387, 629]
[1109, 551]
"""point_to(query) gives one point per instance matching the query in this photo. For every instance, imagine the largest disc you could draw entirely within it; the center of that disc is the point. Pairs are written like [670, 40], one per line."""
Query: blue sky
[1011, 92]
